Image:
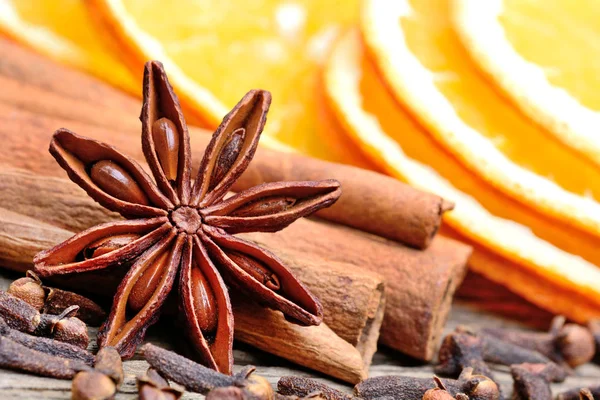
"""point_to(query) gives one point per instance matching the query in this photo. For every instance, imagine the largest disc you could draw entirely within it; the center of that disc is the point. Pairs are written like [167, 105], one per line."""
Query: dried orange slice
[543, 55]
[63, 30]
[505, 251]
[537, 182]
[215, 51]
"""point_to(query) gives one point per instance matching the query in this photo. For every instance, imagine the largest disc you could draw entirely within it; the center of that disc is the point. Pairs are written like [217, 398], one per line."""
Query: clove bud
[532, 381]
[63, 327]
[102, 382]
[440, 392]
[153, 386]
[476, 387]
[197, 378]
[575, 394]
[50, 300]
[565, 344]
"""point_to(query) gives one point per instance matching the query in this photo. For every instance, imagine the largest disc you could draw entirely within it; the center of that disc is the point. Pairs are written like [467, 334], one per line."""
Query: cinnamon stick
[371, 201]
[315, 347]
[420, 284]
[356, 318]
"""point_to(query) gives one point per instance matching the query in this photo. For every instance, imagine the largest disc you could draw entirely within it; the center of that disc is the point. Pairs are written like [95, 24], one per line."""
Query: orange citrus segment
[423, 65]
[216, 51]
[543, 56]
[62, 30]
[505, 251]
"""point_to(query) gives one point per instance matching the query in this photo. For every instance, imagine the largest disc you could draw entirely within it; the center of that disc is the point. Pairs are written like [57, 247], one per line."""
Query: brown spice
[574, 394]
[17, 357]
[185, 227]
[108, 361]
[49, 300]
[476, 387]
[440, 392]
[46, 345]
[92, 385]
[153, 386]
[532, 381]
[566, 344]
[63, 327]
[302, 387]
[197, 378]
[463, 348]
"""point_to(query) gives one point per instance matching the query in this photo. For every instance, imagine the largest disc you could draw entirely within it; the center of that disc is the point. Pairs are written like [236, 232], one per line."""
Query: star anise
[179, 230]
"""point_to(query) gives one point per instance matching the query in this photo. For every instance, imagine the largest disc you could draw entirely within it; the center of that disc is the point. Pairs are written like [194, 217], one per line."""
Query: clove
[197, 378]
[64, 327]
[17, 357]
[459, 350]
[585, 394]
[46, 345]
[440, 392]
[463, 348]
[153, 386]
[102, 382]
[594, 327]
[476, 387]
[565, 344]
[575, 394]
[303, 387]
[49, 300]
[532, 381]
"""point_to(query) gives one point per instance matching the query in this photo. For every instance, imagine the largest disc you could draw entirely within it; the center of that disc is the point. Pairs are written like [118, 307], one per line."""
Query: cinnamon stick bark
[371, 202]
[315, 347]
[420, 284]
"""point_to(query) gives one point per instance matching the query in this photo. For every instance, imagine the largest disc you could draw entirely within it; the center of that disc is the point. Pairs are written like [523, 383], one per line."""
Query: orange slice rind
[505, 251]
[62, 30]
[415, 87]
[527, 83]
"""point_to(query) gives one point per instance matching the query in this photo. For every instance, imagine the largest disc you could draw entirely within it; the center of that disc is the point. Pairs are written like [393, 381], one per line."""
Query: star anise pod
[179, 230]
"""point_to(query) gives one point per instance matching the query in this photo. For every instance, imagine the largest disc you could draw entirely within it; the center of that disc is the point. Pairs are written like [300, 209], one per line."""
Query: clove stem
[302, 387]
[46, 345]
[15, 356]
[574, 394]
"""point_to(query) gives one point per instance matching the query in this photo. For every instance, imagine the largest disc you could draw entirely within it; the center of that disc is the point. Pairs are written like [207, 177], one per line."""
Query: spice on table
[198, 378]
[17, 357]
[49, 300]
[574, 394]
[476, 387]
[302, 387]
[153, 386]
[63, 327]
[586, 394]
[46, 345]
[594, 327]
[103, 381]
[532, 381]
[185, 229]
[464, 348]
[565, 344]
[440, 392]
[92, 385]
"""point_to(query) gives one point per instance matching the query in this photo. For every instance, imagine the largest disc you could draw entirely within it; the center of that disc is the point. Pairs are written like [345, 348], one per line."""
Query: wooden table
[14, 385]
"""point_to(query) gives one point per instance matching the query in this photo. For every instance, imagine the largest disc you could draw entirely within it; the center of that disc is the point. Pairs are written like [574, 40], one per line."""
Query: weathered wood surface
[15, 385]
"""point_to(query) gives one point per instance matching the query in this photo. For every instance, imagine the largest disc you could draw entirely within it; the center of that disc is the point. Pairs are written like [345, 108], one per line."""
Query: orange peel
[505, 251]
[441, 89]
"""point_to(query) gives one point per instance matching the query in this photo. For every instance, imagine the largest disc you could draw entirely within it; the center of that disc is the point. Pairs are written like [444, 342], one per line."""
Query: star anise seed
[179, 231]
